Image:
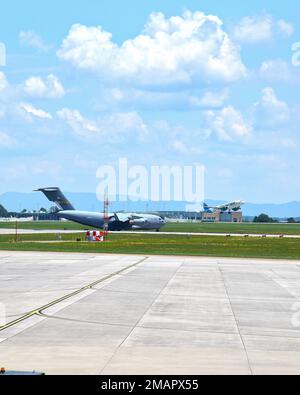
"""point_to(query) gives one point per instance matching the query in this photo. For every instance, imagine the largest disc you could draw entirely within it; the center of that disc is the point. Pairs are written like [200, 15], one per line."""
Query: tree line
[7, 214]
[265, 219]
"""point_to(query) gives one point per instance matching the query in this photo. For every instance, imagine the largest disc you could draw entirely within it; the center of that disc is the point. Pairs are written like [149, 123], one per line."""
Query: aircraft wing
[131, 220]
[123, 217]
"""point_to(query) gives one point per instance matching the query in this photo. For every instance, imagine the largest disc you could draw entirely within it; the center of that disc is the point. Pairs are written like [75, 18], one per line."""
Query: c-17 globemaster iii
[115, 221]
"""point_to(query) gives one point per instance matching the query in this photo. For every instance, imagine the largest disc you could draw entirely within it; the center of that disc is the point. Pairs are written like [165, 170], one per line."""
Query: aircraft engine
[138, 222]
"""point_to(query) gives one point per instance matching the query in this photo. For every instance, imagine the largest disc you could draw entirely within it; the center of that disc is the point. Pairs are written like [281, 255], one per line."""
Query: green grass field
[250, 228]
[162, 245]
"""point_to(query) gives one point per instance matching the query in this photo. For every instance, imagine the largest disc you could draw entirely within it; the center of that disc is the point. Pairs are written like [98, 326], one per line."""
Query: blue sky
[161, 83]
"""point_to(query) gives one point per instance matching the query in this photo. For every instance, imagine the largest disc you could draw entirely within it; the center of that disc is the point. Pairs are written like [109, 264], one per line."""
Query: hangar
[218, 216]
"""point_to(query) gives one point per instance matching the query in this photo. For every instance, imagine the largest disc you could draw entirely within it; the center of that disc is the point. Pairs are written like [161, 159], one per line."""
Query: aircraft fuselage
[96, 220]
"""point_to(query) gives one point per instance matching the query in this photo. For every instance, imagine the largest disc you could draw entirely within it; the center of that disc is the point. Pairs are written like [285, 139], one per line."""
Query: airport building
[218, 216]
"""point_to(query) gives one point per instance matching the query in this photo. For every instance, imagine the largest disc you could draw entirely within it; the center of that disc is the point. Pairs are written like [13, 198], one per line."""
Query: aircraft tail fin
[55, 195]
[205, 207]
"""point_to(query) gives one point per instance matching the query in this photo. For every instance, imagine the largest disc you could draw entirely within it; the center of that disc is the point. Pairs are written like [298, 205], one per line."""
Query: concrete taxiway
[113, 314]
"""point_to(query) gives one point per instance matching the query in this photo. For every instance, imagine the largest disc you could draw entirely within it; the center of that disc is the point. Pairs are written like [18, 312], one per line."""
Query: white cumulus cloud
[285, 28]
[279, 70]
[49, 87]
[32, 39]
[3, 81]
[80, 125]
[111, 126]
[35, 112]
[271, 109]
[254, 29]
[261, 28]
[180, 147]
[180, 50]
[229, 124]
[210, 99]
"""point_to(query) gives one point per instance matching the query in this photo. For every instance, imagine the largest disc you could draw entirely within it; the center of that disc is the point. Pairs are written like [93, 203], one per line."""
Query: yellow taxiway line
[40, 310]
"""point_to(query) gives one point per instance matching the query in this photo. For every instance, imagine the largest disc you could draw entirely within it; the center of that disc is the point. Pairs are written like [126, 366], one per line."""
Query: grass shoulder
[214, 246]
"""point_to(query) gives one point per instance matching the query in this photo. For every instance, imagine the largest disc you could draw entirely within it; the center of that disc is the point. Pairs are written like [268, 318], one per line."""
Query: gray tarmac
[114, 314]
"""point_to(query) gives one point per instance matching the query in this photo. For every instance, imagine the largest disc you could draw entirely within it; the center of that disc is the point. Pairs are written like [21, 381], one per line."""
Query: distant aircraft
[116, 221]
[231, 206]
